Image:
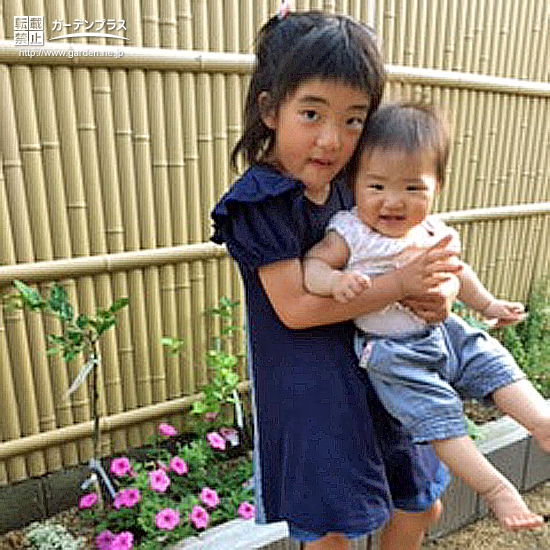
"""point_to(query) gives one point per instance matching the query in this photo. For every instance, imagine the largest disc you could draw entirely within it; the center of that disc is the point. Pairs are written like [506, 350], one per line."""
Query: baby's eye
[416, 188]
[310, 115]
[376, 186]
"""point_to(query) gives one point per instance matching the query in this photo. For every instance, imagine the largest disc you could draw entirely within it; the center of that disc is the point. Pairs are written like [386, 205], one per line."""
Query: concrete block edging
[504, 442]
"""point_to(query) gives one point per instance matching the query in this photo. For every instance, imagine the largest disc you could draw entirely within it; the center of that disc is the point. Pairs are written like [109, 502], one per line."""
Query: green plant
[221, 390]
[529, 341]
[46, 536]
[79, 334]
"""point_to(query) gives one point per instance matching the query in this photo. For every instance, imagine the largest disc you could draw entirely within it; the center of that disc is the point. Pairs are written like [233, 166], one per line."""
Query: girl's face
[316, 131]
[394, 189]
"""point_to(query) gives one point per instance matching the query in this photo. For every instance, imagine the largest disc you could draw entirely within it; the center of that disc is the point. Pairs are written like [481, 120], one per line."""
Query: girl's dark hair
[305, 46]
[407, 127]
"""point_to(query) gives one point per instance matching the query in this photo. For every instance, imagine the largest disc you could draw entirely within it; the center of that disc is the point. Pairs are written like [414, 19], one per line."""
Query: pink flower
[209, 497]
[210, 416]
[127, 498]
[103, 540]
[246, 510]
[159, 481]
[120, 466]
[166, 430]
[122, 541]
[87, 501]
[178, 466]
[167, 519]
[199, 517]
[216, 441]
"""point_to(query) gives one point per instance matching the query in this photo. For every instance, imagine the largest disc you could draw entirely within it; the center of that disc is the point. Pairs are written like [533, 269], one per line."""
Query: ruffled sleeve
[255, 218]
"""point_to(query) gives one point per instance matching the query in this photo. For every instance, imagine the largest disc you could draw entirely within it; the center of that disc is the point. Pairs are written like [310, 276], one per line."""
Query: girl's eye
[376, 186]
[310, 115]
[356, 122]
[416, 188]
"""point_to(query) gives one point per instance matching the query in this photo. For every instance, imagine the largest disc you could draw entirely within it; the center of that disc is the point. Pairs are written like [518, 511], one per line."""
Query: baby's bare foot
[510, 509]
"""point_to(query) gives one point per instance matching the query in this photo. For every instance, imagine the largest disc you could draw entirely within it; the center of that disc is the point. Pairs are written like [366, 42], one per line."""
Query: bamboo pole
[478, 28]
[76, 203]
[206, 166]
[148, 373]
[25, 112]
[541, 52]
[197, 344]
[110, 191]
[179, 209]
[163, 320]
[234, 130]
[57, 208]
[15, 469]
[17, 338]
[131, 285]
[220, 155]
[143, 281]
[497, 31]
[87, 129]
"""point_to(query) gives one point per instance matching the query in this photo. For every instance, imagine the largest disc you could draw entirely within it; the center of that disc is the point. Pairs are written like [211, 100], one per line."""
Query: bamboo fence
[111, 165]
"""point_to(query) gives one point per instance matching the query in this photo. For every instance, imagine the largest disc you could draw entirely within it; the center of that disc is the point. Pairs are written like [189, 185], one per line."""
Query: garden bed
[503, 441]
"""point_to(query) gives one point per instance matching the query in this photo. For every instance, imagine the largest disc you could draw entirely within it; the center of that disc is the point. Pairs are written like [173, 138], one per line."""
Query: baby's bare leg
[524, 403]
[466, 462]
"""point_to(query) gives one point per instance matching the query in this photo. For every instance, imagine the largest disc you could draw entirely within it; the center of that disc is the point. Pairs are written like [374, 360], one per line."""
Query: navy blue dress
[321, 463]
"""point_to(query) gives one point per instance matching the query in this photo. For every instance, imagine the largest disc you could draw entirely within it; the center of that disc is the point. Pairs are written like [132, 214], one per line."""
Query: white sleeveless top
[373, 254]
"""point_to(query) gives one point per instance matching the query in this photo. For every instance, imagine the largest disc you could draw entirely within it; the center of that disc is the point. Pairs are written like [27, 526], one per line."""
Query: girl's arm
[477, 297]
[323, 273]
[298, 309]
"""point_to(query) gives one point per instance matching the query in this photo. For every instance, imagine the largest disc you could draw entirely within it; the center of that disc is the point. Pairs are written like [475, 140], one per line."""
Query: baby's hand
[345, 286]
[504, 313]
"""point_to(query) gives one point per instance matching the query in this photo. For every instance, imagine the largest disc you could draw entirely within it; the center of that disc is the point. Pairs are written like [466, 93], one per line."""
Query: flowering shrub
[168, 497]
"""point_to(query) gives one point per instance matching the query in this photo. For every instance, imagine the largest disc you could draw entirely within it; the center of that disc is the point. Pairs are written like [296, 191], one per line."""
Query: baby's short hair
[408, 127]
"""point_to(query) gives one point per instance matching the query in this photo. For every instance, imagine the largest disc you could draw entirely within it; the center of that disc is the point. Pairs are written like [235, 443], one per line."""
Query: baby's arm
[476, 296]
[322, 270]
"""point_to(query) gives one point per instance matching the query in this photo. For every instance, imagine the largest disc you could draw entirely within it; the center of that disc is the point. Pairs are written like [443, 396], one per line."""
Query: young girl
[320, 464]
[417, 369]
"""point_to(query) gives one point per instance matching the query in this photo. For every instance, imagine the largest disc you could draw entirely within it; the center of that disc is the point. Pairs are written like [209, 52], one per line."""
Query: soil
[486, 534]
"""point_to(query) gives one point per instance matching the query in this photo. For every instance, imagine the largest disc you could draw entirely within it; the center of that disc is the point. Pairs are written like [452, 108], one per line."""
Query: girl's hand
[345, 286]
[429, 269]
[435, 305]
[503, 313]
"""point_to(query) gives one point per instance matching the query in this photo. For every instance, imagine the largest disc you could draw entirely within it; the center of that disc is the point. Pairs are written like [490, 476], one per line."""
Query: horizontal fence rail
[37, 272]
[237, 63]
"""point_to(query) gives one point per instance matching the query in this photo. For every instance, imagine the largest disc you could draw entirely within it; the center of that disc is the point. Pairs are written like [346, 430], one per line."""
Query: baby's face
[395, 189]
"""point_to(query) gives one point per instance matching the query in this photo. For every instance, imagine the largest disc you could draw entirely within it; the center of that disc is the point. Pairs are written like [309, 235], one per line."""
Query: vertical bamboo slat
[178, 202]
[206, 164]
[60, 237]
[194, 348]
[162, 321]
[15, 468]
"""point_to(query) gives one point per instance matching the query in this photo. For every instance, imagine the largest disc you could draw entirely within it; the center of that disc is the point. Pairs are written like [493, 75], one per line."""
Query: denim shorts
[421, 378]
[302, 535]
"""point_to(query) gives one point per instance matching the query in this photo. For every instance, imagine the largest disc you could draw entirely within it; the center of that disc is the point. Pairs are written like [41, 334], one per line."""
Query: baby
[420, 370]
